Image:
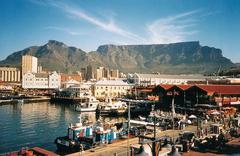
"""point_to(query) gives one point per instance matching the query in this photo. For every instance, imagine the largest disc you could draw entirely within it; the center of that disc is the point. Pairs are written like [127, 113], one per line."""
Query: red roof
[221, 89]
[184, 87]
[210, 89]
[166, 86]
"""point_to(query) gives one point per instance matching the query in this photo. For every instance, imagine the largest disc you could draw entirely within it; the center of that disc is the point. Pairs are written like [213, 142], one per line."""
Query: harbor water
[36, 124]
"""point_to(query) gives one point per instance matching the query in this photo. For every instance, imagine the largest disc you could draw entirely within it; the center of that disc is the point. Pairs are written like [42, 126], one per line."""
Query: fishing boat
[90, 104]
[81, 137]
[70, 143]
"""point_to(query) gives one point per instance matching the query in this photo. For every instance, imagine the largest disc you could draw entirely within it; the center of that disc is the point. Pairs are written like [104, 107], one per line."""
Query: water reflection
[37, 124]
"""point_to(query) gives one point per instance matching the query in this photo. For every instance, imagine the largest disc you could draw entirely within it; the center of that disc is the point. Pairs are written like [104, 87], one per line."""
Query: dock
[25, 100]
[121, 148]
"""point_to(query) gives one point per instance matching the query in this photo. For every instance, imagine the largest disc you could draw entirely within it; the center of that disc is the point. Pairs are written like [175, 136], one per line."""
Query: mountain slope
[175, 58]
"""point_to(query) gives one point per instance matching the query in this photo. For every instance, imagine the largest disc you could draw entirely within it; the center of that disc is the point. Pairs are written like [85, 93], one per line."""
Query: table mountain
[174, 58]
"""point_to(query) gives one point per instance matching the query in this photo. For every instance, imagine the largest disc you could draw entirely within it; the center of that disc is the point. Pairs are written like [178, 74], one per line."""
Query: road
[121, 147]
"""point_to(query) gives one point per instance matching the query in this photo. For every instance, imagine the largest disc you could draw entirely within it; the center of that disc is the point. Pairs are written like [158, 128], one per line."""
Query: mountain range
[173, 58]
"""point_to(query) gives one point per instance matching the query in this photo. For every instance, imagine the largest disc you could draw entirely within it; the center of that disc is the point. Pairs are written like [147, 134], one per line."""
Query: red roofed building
[192, 96]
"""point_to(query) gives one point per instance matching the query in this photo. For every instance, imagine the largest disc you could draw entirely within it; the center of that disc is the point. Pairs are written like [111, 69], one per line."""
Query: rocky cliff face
[175, 58]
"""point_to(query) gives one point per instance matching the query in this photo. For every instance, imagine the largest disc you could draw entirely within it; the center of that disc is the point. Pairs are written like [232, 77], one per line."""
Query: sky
[87, 24]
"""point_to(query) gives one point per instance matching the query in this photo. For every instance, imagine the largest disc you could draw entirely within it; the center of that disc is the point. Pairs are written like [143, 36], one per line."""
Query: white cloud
[172, 29]
[66, 30]
[169, 29]
[109, 26]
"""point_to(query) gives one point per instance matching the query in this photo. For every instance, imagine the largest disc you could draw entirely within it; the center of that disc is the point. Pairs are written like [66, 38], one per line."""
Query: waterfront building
[10, 74]
[111, 88]
[79, 90]
[41, 80]
[29, 64]
[67, 77]
[155, 79]
[70, 83]
[234, 80]
[190, 97]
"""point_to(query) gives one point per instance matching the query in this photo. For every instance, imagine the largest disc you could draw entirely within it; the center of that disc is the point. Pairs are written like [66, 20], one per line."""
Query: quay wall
[28, 100]
[65, 100]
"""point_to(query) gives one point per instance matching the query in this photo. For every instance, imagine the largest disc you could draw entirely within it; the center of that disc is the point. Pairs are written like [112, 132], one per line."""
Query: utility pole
[154, 131]
[128, 128]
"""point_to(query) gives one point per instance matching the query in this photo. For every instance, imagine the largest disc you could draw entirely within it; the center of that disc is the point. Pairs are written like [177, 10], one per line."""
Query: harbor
[106, 135]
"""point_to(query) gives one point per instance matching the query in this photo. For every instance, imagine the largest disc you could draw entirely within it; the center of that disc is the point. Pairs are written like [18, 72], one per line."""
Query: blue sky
[87, 24]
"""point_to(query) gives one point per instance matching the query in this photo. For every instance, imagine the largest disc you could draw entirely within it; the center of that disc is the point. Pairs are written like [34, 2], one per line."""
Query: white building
[70, 83]
[155, 79]
[41, 80]
[10, 74]
[111, 88]
[79, 90]
[29, 64]
[234, 80]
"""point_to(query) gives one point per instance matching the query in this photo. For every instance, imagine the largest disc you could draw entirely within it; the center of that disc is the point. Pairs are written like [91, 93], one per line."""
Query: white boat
[112, 108]
[90, 105]
[21, 101]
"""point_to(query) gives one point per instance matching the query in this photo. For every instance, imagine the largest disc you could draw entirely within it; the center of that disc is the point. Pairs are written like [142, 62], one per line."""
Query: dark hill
[174, 58]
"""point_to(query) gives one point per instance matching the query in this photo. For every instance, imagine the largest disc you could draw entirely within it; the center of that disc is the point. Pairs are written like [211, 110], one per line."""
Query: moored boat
[81, 137]
[90, 105]
[112, 108]
[70, 143]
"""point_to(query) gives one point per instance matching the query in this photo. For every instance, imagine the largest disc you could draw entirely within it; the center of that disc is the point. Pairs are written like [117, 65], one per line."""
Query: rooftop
[197, 76]
[217, 89]
[112, 83]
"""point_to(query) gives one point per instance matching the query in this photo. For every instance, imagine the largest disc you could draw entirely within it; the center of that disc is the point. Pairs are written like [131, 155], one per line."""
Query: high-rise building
[114, 73]
[100, 73]
[89, 73]
[106, 73]
[29, 64]
[83, 73]
[39, 69]
[10, 74]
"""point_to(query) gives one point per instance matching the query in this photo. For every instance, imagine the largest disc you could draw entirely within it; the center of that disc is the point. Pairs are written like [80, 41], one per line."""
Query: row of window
[111, 87]
[40, 79]
[110, 94]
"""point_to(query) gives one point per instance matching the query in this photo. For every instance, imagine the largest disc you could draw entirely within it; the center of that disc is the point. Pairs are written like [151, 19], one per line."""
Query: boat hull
[65, 145]
[86, 109]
